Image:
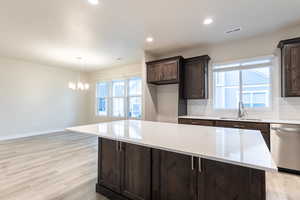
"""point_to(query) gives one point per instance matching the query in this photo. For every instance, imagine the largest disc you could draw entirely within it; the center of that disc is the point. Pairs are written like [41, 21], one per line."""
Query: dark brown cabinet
[290, 67]
[109, 165]
[125, 169]
[196, 122]
[195, 79]
[133, 172]
[136, 172]
[218, 180]
[176, 175]
[165, 71]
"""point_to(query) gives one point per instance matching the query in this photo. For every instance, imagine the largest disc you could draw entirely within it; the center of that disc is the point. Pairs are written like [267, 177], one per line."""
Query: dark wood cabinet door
[164, 71]
[178, 178]
[169, 70]
[153, 73]
[229, 182]
[109, 165]
[291, 70]
[136, 172]
[196, 78]
[200, 122]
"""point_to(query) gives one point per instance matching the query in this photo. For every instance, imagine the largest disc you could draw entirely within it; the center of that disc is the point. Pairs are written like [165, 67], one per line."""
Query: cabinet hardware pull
[117, 146]
[192, 162]
[200, 165]
[238, 126]
[120, 146]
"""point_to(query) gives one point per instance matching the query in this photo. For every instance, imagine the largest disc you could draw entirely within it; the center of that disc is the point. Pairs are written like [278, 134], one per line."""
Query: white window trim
[96, 113]
[270, 65]
[110, 98]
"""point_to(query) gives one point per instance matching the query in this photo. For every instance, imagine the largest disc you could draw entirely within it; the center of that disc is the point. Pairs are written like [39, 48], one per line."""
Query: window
[135, 99]
[247, 81]
[120, 98]
[102, 99]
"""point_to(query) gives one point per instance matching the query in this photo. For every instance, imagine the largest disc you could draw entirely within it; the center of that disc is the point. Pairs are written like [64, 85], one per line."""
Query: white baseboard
[29, 134]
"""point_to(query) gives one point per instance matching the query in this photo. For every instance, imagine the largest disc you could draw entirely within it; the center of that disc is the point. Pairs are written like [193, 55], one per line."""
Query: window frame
[133, 96]
[112, 97]
[126, 98]
[234, 66]
[107, 98]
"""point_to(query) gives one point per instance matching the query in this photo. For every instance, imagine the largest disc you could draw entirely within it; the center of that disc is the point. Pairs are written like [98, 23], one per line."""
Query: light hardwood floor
[64, 166]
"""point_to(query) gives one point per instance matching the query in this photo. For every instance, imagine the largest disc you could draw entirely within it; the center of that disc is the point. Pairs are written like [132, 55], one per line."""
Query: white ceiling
[57, 31]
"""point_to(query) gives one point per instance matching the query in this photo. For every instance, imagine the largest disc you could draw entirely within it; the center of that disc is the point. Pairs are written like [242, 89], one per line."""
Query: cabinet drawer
[199, 122]
[243, 125]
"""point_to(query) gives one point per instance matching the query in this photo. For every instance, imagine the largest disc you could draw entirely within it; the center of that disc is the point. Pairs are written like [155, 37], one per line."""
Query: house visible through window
[120, 98]
[135, 100]
[247, 82]
[102, 98]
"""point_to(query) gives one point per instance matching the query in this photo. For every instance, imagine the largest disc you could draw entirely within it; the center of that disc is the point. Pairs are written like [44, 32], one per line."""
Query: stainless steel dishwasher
[285, 147]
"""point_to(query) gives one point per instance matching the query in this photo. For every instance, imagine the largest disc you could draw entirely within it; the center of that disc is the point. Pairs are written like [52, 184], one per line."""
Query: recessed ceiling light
[94, 2]
[149, 39]
[208, 21]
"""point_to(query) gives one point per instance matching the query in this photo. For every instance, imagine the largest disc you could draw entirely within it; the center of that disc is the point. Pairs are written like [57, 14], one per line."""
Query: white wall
[283, 108]
[35, 99]
[167, 103]
[108, 74]
[149, 92]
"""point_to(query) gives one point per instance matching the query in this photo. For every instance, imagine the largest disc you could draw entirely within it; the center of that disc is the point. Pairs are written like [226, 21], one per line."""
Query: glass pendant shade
[79, 85]
[72, 85]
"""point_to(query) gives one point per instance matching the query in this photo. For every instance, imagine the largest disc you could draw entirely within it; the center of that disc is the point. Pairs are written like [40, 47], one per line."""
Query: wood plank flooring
[63, 166]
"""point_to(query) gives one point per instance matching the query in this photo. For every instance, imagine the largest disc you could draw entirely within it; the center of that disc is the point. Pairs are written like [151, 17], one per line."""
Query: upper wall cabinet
[195, 81]
[165, 71]
[290, 67]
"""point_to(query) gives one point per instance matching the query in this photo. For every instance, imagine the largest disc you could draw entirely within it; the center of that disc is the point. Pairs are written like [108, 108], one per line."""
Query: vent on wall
[237, 29]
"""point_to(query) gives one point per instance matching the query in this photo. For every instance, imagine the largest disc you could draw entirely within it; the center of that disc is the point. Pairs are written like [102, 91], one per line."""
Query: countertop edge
[214, 158]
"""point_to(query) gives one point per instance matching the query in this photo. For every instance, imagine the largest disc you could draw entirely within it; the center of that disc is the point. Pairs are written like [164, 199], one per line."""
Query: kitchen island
[142, 160]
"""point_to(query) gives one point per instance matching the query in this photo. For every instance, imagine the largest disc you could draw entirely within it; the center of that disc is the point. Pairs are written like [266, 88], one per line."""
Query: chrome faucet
[242, 112]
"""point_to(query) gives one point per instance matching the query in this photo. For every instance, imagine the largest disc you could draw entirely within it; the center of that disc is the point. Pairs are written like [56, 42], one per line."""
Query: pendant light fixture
[80, 85]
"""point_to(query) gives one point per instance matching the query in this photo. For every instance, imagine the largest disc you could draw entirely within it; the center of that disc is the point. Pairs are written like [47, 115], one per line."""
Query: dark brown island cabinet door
[178, 177]
[109, 165]
[229, 182]
[291, 70]
[136, 172]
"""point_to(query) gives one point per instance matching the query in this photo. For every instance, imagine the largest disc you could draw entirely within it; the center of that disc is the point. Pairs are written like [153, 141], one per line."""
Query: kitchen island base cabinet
[230, 182]
[174, 176]
[124, 170]
[132, 172]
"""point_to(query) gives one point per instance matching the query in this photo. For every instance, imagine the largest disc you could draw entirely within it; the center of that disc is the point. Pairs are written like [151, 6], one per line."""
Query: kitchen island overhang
[176, 146]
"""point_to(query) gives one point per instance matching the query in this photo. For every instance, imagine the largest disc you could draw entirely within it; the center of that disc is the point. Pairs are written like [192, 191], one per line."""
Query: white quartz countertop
[235, 146]
[269, 121]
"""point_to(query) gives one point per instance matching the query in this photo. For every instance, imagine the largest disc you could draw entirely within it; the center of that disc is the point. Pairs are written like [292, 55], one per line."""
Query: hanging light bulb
[86, 86]
[79, 85]
[72, 85]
